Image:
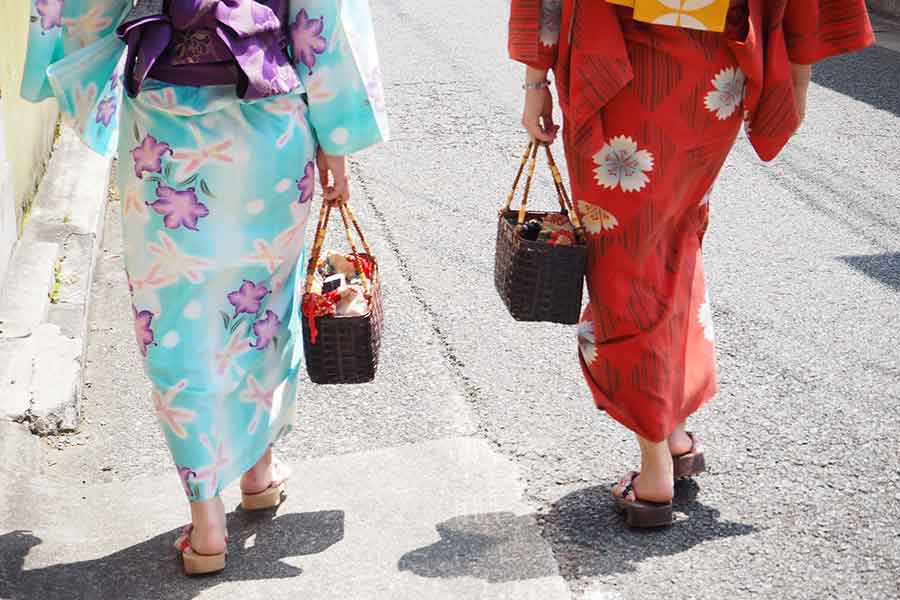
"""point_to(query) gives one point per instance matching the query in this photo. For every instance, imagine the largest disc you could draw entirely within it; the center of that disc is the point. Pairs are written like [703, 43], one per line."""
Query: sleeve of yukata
[819, 29]
[333, 45]
[73, 55]
[534, 27]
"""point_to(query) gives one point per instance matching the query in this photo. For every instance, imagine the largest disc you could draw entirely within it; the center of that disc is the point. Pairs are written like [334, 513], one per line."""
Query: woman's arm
[816, 30]
[801, 75]
[333, 46]
[536, 43]
[72, 55]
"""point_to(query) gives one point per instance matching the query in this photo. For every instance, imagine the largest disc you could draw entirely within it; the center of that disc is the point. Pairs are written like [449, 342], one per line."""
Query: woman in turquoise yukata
[219, 111]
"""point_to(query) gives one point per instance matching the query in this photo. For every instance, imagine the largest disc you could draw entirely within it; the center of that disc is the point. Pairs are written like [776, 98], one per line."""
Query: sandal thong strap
[628, 482]
[183, 542]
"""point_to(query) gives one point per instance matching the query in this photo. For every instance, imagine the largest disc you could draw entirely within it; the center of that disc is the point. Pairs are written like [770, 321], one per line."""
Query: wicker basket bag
[343, 349]
[539, 281]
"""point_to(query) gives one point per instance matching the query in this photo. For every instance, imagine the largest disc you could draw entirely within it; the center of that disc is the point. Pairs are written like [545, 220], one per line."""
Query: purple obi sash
[209, 42]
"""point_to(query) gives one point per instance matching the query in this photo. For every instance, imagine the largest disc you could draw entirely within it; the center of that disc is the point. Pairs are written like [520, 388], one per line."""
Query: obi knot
[210, 42]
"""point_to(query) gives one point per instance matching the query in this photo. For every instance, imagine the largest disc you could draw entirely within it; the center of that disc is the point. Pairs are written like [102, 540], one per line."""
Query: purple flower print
[143, 333]
[248, 298]
[114, 79]
[106, 110]
[307, 37]
[180, 207]
[187, 476]
[375, 90]
[265, 330]
[307, 183]
[51, 13]
[148, 156]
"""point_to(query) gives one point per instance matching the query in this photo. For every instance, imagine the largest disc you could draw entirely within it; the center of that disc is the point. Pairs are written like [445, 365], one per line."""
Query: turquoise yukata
[216, 192]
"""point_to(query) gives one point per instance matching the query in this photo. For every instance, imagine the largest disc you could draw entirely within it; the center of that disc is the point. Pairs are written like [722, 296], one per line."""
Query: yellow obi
[707, 15]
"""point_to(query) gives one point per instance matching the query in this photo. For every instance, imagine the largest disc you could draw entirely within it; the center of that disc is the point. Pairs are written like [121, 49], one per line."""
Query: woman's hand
[537, 116]
[801, 75]
[333, 176]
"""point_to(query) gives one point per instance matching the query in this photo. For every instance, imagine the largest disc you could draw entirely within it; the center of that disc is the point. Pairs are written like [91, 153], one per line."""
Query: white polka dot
[171, 339]
[340, 136]
[283, 186]
[193, 310]
[254, 207]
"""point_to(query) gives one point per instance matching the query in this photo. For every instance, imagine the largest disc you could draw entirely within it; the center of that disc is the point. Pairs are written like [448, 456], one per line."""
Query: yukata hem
[236, 469]
[602, 401]
[247, 464]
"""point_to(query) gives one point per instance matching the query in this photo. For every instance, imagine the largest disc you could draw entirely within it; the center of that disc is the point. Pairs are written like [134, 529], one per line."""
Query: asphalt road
[803, 257]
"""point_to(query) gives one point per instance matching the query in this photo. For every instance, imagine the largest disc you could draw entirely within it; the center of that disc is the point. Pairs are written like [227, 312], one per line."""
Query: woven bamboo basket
[538, 281]
[345, 349]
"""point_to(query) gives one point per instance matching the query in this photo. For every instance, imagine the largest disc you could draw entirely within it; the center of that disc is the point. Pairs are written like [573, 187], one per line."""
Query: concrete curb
[44, 304]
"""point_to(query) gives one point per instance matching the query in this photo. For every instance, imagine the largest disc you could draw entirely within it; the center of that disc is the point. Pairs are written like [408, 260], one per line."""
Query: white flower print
[551, 18]
[621, 164]
[587, 341]
[728, 94]
[704, 316]
[596, 219]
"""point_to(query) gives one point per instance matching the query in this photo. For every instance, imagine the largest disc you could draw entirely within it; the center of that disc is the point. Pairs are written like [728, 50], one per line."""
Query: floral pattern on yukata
[214, 228]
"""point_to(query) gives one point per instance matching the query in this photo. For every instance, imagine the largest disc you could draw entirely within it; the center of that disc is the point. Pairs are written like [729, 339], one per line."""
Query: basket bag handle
[347, 217]
[565, 203]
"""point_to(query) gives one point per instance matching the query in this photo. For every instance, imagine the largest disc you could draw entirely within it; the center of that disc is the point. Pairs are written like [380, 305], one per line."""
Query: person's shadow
[152, 569]
[581, 533]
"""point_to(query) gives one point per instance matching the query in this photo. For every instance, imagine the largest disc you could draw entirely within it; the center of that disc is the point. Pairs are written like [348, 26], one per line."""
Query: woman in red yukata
[653, 94]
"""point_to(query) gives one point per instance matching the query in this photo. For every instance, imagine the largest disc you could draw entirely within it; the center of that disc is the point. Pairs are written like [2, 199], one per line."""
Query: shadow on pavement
[152, 569]
[882, 267]
[588, 538]
[871, 76]
[495, 547]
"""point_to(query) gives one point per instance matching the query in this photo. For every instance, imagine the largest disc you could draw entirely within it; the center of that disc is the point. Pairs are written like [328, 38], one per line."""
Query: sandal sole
[646, 515]
[269, 498]
[689, 465]
[202, 564]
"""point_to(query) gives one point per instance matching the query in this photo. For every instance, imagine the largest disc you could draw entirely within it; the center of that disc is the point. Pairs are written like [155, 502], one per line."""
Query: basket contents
[552, 228]
[337, 289]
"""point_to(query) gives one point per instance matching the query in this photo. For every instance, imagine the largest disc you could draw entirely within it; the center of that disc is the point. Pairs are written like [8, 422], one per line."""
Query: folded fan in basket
[341, 341]
[539, 279]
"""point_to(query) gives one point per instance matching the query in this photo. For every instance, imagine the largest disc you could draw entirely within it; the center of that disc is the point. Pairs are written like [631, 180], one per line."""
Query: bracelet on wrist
[539, 85]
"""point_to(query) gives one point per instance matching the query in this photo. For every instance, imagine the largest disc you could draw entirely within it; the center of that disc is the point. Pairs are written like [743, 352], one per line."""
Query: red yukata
[650, 115]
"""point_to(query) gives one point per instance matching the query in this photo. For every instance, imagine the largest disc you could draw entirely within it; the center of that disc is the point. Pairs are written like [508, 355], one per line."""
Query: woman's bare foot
[680, 442]
[209, 532]
[261, 475]
[656, 482]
